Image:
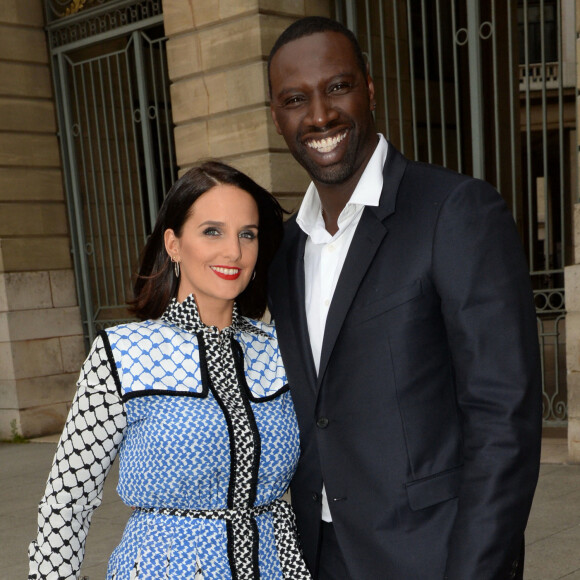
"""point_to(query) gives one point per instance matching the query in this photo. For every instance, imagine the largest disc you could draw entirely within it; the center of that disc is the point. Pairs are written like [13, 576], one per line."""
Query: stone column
[572, 289]
[217, 53]
[41, 343]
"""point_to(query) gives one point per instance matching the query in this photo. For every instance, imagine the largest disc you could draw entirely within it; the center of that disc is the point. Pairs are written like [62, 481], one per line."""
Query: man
[405, 316]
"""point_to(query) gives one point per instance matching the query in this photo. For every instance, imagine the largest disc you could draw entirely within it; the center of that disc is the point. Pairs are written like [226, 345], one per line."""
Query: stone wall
[41, 344]
[572, 289]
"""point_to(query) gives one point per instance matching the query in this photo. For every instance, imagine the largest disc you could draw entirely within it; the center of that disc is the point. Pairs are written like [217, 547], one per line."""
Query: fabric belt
[285, 532]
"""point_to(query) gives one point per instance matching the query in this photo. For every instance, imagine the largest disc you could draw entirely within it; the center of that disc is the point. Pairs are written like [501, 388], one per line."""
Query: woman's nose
[233, 248]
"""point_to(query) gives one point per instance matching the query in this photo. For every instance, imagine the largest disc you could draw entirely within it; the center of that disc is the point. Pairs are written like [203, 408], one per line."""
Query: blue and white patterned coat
[208, 441]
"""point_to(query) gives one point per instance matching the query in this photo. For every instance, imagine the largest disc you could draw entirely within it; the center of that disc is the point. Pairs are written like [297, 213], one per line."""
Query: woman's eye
[248, 234]
[211, 232]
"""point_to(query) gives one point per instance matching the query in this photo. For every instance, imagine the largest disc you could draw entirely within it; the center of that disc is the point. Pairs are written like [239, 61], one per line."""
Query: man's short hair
[312, 25]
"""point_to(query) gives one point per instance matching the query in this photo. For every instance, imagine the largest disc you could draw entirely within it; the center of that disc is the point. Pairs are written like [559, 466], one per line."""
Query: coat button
[315, 496]
[322, 423]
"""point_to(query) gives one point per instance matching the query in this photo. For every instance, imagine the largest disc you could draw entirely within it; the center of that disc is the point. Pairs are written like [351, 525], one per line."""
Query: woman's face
[218, 247]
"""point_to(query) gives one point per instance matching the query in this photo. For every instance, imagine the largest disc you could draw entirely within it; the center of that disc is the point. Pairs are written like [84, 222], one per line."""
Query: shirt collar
[185, 315]
[367, 191]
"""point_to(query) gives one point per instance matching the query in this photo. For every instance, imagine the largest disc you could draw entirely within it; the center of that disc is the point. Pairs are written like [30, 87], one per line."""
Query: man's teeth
[326, 145]
[226, 271]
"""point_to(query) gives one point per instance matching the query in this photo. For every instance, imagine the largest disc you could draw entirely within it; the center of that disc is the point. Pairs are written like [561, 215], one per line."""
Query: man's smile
[328, 144]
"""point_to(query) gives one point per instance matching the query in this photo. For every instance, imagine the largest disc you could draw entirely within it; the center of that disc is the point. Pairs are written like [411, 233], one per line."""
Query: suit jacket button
[322, 423]
[315, 496]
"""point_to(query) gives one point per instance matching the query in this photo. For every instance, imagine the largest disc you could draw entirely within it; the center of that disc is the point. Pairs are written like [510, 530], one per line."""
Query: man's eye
[211, 232]
[248, 234]
[297, 100]
[338, 87]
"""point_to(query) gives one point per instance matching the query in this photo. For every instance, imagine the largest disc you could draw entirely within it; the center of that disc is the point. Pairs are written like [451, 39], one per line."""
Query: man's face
[321, 105]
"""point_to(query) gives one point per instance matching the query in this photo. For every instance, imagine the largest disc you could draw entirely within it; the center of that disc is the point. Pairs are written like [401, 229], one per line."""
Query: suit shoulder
[431, 181]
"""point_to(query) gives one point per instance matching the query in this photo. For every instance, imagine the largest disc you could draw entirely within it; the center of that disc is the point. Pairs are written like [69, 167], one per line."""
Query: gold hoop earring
[176, 267]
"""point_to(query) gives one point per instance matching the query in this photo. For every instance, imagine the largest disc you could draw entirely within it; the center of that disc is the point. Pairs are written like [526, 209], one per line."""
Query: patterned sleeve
[88, 446]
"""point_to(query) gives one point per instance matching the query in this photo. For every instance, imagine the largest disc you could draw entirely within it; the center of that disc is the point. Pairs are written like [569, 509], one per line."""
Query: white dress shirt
[324, 254]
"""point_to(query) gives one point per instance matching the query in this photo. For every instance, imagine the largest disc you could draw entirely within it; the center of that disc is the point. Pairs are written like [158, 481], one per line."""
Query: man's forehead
[330, 42]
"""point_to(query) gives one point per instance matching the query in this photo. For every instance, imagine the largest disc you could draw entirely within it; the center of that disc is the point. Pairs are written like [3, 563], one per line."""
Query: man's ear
[273, 113]
[371, 89]
[171, 243]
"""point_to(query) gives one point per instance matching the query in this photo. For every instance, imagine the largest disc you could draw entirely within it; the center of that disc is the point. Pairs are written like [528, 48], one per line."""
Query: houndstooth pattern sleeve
[88, 446]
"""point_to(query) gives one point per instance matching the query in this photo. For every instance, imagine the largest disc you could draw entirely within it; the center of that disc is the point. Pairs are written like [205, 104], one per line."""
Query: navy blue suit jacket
[424, 421]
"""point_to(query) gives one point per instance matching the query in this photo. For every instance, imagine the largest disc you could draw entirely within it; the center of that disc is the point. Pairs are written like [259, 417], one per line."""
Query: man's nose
[321, 113]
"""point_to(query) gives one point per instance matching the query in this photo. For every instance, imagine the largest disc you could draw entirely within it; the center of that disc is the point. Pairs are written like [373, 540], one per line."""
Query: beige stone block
[574, 440]
[190, 99]
[286, 7]
[4, 339]
[26, 290]
[24, 254]
[191, 143]
[3, 295]
[73, 354]
[217, 93]
[27, 115]
[245, 86]
[6, 360]
[573, 390]
[41, 391]
[180, 16]
[239, 133]
[231, 8]
[8, 396]
[271, 28]
[8, 415]
[44, 323]
[31, 184]
[18, 219]
[572, 288]
[23, 44]
[288, 176]
[63, 288]
[576, 225]
[25, 80]
[573, 342]
[234, 42]
[29, 150]
[24, 13]
[184, 56]
[36, 358]
[47, 420]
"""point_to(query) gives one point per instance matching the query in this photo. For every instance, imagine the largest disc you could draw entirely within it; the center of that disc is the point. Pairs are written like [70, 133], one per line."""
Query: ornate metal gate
[488, 88]
[116, 136]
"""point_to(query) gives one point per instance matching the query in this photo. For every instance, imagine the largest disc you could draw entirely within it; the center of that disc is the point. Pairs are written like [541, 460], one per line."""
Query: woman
[195, 400]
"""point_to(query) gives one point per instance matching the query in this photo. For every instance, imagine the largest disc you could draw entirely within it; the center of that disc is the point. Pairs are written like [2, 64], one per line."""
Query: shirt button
[327, 303]
[322, 423]
[331, 248]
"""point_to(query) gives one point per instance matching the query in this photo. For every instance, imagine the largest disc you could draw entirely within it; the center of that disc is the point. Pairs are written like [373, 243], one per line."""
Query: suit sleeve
[482, 277]
[91, 437]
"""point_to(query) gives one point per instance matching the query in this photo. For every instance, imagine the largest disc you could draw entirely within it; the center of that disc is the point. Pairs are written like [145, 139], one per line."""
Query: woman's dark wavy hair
[156, 283]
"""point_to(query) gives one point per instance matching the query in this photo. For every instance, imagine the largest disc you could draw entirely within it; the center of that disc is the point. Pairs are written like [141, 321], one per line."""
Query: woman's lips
[227, 273]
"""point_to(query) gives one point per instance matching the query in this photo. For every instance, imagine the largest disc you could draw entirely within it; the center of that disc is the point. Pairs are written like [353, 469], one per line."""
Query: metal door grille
[117, 142]
[488, 88]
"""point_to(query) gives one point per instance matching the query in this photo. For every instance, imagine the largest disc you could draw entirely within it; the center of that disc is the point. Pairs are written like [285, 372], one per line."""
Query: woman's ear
[171, 244]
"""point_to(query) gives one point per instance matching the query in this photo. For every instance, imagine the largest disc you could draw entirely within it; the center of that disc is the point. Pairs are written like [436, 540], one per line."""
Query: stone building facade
[217, 55]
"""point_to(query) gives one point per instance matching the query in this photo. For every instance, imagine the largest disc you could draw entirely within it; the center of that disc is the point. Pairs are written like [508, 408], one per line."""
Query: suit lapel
[369, 235]
[296, 291]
